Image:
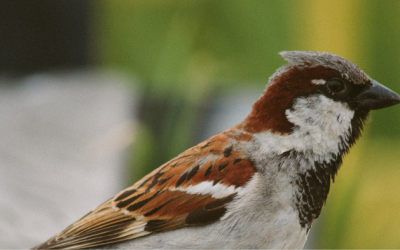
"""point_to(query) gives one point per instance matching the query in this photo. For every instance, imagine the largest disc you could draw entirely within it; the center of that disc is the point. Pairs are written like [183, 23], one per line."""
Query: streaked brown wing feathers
[161, 202]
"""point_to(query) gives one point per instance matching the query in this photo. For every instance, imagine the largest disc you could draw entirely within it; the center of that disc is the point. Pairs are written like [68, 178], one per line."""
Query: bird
[259, 184]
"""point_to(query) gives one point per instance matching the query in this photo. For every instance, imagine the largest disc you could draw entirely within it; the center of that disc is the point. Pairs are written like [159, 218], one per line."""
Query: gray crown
[300, 59]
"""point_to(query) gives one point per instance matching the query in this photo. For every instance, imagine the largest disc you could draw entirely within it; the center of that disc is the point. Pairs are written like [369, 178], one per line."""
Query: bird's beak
[376, 97]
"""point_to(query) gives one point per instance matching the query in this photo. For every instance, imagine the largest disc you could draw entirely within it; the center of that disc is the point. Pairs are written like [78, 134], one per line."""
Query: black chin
[357, 126]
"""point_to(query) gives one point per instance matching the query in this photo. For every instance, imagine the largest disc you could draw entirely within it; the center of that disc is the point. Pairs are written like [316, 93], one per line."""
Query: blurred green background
[186, 53]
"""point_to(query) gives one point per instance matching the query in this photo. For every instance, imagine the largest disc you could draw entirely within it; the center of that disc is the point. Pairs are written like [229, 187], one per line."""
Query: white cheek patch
[206, 187]
[320, 125]
[318, 81]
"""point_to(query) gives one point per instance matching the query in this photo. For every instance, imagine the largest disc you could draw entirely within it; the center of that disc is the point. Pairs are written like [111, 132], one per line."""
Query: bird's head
[320, 96]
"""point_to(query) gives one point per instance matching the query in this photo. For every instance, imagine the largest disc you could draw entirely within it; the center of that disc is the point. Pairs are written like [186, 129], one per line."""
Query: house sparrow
[259, 184]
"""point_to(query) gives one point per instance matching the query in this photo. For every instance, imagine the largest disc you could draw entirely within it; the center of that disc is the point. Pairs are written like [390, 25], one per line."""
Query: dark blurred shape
[40, 35]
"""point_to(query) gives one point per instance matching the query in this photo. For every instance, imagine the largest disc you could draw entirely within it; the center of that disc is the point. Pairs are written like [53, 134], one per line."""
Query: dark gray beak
[376, 97]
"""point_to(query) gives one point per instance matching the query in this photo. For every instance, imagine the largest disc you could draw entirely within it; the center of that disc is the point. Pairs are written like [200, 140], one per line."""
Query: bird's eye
[336, 85]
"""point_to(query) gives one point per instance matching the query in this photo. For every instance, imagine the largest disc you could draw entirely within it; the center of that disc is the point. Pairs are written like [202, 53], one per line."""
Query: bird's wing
[191, 189]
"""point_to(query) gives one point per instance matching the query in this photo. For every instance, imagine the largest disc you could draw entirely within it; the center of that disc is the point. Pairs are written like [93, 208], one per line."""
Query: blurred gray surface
[63, 141]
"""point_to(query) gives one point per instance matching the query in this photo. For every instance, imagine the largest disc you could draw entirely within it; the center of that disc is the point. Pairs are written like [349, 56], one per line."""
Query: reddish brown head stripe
[269, 111]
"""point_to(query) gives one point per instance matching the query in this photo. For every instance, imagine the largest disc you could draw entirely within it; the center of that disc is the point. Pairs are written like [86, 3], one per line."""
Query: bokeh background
[188, 60]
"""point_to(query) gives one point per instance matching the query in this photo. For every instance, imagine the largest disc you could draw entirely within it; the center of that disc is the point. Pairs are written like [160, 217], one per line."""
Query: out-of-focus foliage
[383, 55]
[183, 51]
[362, 208]
[184, 47]
[176, 42]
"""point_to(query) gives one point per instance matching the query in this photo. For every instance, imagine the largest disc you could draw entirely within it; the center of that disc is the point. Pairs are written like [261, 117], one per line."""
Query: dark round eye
[336, 85]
